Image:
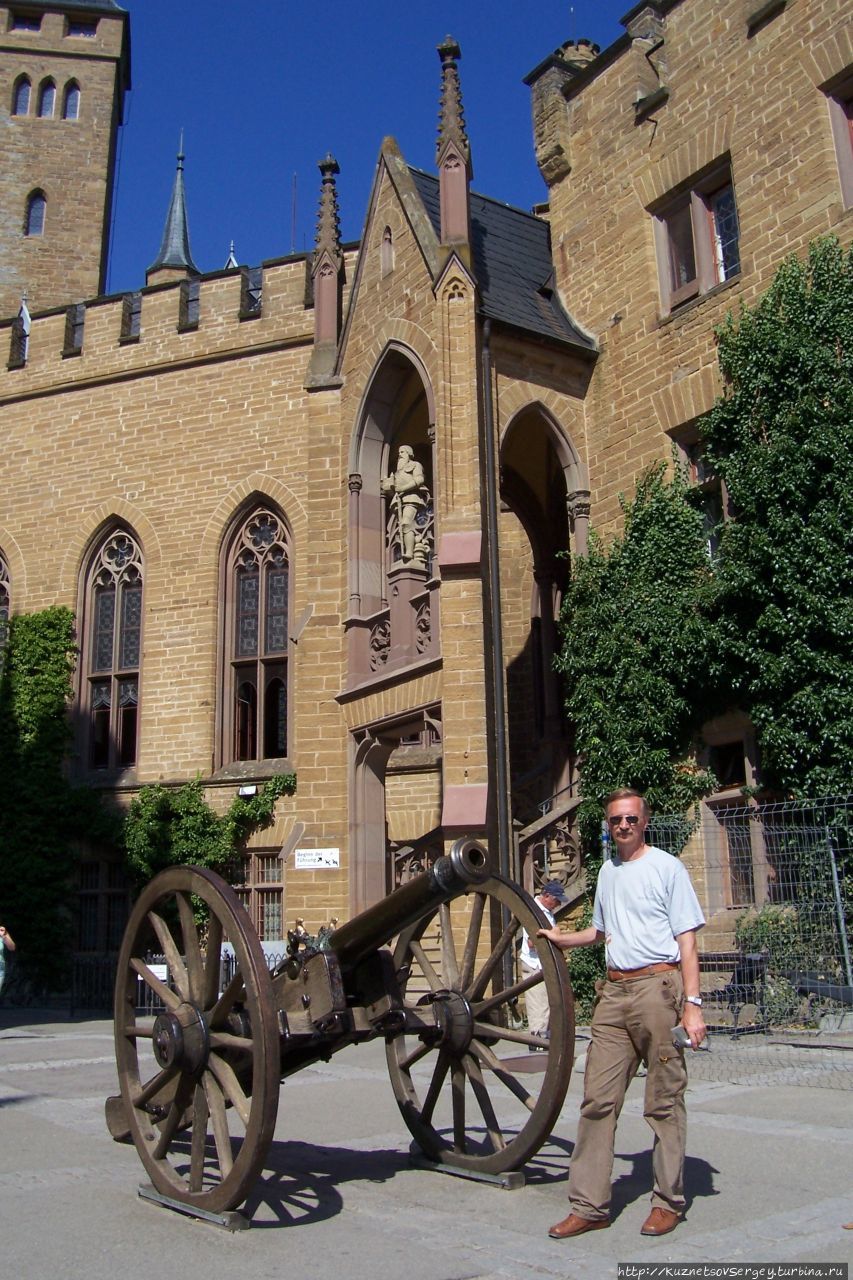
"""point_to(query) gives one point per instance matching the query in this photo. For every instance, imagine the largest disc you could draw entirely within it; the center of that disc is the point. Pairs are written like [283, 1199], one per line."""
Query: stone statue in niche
[407, 489]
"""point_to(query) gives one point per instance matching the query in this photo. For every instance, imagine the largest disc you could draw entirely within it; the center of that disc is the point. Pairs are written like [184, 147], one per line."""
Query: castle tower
[64, 70]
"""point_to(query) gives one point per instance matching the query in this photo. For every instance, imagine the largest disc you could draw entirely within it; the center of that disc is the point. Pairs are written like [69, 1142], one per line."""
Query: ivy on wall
[781, 440]
[656, 638]
[171, 825]
[637, 650]
[43, 816]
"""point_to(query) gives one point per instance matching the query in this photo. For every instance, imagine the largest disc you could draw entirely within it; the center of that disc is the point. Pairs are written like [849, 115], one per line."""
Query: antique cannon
[200, 1080]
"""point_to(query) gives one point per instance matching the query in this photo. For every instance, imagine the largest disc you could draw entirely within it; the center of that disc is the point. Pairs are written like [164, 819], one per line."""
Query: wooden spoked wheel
[199, 1073]
[474, 1094]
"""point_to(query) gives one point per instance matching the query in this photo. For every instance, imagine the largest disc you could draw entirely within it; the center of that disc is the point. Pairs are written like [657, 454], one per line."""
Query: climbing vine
[170, 825]
[43, 814]
[780, 440]
[656, 637]
[637, 649]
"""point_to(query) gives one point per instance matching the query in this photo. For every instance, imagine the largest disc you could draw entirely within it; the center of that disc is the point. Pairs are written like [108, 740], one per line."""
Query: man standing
[550, 897]
[647, 915]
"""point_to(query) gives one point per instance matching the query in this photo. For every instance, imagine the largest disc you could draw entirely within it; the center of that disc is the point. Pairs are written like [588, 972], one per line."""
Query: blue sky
[264, 90]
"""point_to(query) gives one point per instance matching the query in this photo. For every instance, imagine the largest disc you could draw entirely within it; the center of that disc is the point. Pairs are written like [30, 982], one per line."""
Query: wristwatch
[697, 1000]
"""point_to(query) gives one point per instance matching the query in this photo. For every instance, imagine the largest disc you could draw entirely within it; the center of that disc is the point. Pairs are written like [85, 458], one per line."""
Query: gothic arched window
[21, 97]
[113, 648]
[36, 210]
[5, 605]
[71, 101]
[47, 99]
[257, 595]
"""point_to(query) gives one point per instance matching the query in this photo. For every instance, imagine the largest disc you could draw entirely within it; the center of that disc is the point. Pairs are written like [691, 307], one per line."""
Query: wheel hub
[180, 1039]
[454, 1020]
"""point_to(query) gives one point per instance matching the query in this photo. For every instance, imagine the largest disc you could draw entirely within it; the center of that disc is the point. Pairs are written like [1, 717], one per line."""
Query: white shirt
[528, 956]
[640, 907]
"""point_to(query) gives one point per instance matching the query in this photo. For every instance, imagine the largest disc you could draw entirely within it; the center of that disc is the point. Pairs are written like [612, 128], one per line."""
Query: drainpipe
[505, 859]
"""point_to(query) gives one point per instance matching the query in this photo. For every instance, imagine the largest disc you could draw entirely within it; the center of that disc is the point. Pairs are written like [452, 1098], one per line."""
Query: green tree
[780, 440]
[637, 650]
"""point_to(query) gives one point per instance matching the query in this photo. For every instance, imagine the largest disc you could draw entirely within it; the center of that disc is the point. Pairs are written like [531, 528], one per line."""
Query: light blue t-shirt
[640, 907]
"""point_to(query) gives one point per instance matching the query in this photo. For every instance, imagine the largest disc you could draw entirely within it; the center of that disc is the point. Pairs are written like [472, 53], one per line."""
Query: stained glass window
[21, 97]
[114, 619]
[258, 607]
[71, 102]
[5, 605]
[47, 99]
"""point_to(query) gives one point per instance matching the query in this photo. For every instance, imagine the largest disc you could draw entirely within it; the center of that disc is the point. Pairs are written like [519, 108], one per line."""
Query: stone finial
[326, 274]
[451, 119]
[328, 237]
[453, 155]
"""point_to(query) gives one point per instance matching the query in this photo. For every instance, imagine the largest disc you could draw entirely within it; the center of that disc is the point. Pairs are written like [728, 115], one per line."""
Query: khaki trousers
[632, 1023]
[536, 1003]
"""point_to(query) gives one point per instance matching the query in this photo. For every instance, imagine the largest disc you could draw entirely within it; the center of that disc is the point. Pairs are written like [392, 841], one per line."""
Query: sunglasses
[630, 818]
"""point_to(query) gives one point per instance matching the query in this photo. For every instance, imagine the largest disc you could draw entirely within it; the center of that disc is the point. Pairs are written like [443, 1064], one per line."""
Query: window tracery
[113, 649]
[257, 614]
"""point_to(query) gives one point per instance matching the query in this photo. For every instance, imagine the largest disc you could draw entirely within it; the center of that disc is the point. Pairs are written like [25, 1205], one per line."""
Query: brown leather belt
[624, 975]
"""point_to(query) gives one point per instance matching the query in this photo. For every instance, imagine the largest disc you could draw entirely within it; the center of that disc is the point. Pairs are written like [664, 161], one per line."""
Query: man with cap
[549, 898]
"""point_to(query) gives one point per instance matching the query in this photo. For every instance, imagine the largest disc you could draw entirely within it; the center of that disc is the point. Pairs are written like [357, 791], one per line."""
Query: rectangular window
[698, 239]
[262, 893]
[841, 115]
[699, 473]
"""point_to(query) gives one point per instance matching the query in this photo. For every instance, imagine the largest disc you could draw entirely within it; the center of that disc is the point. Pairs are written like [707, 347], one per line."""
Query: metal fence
[776, 882]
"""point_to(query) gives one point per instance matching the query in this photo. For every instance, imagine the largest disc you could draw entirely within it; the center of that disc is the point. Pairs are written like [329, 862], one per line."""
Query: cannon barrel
[466, 864]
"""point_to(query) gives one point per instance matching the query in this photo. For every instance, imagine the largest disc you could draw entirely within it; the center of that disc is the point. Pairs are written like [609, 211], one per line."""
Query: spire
[231, 261]
[453, 155]
[326, 267]
[328, 237]
[175, 255]
[451, 119]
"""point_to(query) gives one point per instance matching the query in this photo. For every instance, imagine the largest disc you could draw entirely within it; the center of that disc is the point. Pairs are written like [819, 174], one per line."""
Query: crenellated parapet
[222, 315]
[551, 128]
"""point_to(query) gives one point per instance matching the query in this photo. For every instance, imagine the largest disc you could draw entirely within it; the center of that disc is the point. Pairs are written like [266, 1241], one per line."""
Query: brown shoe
[660, 1222]
[575, 1225]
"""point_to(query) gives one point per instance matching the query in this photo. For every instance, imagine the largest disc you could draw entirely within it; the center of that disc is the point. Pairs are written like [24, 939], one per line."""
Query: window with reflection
[5, 606]
[257, 608]
[21, 97]
[71, 101]
[113, 647]
[35, 214]
[47, 99]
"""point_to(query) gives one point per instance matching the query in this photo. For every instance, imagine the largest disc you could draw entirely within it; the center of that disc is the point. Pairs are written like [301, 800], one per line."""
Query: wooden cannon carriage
[200, 1080]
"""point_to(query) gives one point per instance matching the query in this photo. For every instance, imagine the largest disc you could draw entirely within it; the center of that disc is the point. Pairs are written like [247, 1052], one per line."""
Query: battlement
[95, 32]
[218, 315]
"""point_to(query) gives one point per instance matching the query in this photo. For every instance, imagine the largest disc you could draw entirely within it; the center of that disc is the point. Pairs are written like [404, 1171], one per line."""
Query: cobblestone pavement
[769, 1179]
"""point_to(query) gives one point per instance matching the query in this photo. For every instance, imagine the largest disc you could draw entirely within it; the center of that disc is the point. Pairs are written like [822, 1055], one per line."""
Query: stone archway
[391, 593]
[543, 523]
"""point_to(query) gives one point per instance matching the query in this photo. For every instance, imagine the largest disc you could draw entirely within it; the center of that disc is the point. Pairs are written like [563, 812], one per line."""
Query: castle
[312, 515]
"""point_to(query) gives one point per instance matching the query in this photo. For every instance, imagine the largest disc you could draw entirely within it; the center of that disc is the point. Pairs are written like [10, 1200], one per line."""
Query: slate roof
[91, 6]
[512, 263]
